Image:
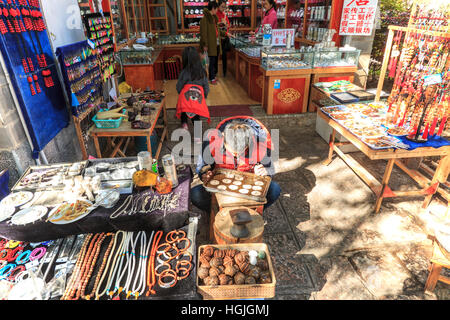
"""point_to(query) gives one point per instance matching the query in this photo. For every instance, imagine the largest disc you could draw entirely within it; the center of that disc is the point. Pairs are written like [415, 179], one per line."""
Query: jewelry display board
[100, 31]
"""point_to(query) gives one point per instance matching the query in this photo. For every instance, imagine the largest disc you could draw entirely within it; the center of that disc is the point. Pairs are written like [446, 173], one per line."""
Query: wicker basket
[245, 291]
[108, 123]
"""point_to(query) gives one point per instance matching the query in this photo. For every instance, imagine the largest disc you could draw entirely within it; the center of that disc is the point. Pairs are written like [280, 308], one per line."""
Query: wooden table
[125, 132]
[394, 156]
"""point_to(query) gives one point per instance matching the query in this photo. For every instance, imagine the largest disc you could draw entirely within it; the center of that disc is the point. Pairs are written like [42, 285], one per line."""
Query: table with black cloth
[99, 220]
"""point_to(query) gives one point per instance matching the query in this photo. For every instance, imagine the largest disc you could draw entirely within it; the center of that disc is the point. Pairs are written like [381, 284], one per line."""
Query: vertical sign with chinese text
[358, 17]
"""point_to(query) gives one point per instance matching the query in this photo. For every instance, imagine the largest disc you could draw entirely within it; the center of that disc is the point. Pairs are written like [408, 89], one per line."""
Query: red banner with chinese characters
[358, 17]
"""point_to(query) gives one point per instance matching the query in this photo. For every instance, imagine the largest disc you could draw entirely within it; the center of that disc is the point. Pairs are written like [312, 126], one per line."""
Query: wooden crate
[245, 291]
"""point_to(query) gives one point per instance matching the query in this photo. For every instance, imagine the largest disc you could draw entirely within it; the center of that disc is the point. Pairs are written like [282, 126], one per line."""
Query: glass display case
[250, 46]
[285, 59]
[188, 38]
[336, 58]
[136, 57]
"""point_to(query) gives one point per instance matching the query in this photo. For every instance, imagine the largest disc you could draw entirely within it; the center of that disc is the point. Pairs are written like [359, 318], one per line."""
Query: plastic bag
[205, 60]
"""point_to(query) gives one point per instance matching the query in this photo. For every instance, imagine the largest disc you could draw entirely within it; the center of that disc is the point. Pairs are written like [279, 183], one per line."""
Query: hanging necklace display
[9, 14]
[419, 98]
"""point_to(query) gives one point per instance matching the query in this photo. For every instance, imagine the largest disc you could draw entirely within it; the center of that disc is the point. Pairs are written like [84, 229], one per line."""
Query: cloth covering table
[99, 220]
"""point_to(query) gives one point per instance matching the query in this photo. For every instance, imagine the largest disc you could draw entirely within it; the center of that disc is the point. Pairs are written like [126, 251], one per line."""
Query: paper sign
[279, 36]
[358, 17]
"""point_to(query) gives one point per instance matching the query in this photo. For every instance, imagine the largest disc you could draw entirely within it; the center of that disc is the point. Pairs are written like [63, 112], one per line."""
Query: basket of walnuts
[235, 271]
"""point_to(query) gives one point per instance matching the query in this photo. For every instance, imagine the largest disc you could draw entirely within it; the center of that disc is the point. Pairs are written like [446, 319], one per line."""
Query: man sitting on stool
[240, 143]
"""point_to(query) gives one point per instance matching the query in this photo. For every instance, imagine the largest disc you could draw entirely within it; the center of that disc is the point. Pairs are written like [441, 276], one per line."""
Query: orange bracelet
[165, 274]
[183, 263]
[187, 246]
[171, 239]
[164, 264]
[158, 250]
[186, 273]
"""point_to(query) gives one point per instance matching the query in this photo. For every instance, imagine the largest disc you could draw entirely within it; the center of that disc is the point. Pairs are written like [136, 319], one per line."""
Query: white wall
[64, 22]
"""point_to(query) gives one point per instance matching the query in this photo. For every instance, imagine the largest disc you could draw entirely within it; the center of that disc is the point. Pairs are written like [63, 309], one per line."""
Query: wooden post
[440, 175]
[387, 54]
[385, 181]
[330, 152]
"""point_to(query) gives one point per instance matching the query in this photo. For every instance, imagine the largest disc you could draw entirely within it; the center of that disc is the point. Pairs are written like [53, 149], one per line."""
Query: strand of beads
[114, 252]
[139, 282]
[102, 267]
[77, 270]
[90, 264]
[151, 276]
[131, 259]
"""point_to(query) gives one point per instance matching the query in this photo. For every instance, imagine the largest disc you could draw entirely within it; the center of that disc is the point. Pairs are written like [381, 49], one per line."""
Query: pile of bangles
[17, 257]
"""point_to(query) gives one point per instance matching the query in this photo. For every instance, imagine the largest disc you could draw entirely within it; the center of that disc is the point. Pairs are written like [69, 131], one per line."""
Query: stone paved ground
[325, 240]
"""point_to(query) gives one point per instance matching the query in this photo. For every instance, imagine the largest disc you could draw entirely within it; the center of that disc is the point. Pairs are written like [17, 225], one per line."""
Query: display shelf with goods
[116, 10]
[100, 32]
[295, 16]
[83, 83]
[318, 17]
[336, 57]
[239, 13]
[191, 13]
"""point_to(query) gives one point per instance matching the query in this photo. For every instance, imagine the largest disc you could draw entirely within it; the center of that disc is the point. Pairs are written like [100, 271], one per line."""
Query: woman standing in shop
[224, 27]
[270, 15]
[210, 38]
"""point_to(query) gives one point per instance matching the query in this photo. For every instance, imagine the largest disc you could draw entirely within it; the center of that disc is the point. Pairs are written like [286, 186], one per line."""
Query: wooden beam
[387, 54]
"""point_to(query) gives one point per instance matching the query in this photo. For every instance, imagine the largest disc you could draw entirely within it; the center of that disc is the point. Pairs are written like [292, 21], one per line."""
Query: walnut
[244, 267]
[204, 261]
[240, 258]
[203, 272]
[262, 264]
[221, 269]
[209, 251]
[214, 272]
[216, 261]
[250, 280]
[265, 277]
[225, 280]
[254, 272]
[211, 281]
[228, 261]
[239, 278]
[219, 253]
[231, 270]
[231, 252]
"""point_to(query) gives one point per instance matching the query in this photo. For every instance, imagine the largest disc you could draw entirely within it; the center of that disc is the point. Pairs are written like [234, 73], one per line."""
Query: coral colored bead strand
[151, 277]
